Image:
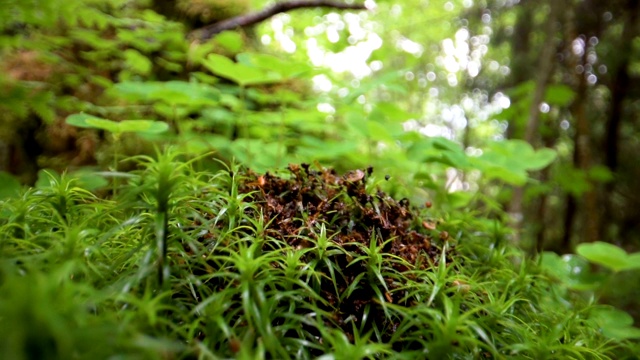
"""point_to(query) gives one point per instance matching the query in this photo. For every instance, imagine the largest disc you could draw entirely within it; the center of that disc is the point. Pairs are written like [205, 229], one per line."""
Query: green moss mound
[309, 263]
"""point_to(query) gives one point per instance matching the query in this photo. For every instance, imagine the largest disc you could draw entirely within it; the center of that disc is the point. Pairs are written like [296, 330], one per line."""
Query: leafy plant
[117, 128]
[609, 256]
[574, 272]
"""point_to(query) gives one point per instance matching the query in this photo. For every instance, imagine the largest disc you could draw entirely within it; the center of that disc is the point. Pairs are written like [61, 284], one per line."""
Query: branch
[209, 31]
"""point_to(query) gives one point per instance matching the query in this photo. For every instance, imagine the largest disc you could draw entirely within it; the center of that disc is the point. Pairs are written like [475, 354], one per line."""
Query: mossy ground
[185, 264]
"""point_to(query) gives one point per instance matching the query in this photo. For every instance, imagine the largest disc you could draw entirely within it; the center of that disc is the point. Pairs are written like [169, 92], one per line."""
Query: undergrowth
[181, 264]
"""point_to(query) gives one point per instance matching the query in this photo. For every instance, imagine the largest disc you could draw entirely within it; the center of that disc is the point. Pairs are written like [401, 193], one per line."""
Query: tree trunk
[544, 70]
[619, 88]
[521, 46]
[549, 140]
[582, 146]
[569, 216]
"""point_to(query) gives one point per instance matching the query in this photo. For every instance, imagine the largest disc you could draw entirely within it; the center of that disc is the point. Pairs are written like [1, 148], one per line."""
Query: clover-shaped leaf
[243, 75]
[174, 93]
[117, 127]
[282, 68]
[510, 160]
[572, 270]
[615, 323]
[609, 255]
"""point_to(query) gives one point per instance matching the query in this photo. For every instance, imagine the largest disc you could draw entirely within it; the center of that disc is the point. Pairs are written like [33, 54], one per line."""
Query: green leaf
[80, 120]
[560, 95]
[10, 185]
[138, 126]
[45, 177]
[379, 132]
[390, 112]
[169, 92]
[439, 150]
[137, 62]
[143, 126]
[89, 180]
[615, 323]
[523, 89]
[511, 159]
[540, 159]
[43, 105]
[571, 180]
[510, 176]
[522, 153]
[315, 149]
[91, 38]
[600, 173]
[358, 126]
[103, 124]
[241, 74]
[230, 40]
[572, 270]
[609, 255]
[390, 81]
[285, 69]
[184, 93]
[459, 199]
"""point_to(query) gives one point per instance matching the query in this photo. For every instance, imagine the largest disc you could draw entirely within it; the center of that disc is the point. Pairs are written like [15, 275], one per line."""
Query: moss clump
[376, 239]
[187, 264]
[297, 206]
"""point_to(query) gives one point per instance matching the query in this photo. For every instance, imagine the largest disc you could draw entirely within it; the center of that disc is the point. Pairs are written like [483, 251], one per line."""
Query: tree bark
[584, 26]
[619, 87]
[209, 31]
[569, 216]
[520, 54]
[582, 145]
[549, 141]
[544, 70]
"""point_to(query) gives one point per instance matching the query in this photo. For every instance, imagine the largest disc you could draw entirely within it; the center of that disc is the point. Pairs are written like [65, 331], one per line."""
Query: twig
[208, 31]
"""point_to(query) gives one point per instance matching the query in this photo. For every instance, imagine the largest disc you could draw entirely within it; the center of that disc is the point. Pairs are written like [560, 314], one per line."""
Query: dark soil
[295, 209]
